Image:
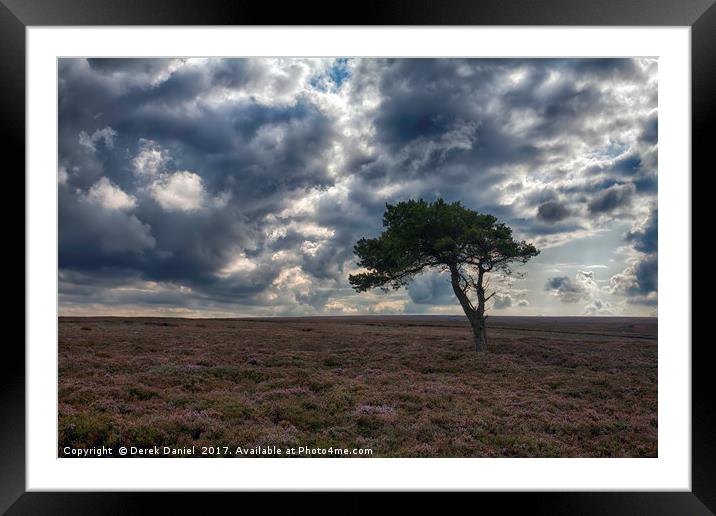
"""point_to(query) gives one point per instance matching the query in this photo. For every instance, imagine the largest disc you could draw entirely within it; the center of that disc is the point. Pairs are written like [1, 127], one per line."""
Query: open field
[402, 386]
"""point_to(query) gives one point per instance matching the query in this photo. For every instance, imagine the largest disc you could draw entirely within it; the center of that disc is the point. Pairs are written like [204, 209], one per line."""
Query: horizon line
[352, 316]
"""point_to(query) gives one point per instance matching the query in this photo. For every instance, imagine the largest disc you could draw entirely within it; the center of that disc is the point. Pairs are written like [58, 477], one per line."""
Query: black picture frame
[16, 15]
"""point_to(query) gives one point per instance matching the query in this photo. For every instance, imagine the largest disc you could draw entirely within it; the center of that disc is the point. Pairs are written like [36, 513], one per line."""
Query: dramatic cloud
[502, 301]
[239, 186]
[612, 198]
[639, 280]
[105, 135]
[584, 287]
[150, 160]
[105, 194]
[180, 191]
[565, 289]
[645, 236]
[552, 211]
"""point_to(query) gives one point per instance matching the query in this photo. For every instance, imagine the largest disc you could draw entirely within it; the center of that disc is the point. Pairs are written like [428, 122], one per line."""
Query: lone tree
[421, 235]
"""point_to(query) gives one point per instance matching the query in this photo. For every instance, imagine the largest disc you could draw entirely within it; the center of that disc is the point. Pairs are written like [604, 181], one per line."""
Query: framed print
[419, 251]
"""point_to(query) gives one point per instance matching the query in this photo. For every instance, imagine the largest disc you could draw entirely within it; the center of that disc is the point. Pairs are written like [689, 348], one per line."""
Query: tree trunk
[475, 316]
[479, 333]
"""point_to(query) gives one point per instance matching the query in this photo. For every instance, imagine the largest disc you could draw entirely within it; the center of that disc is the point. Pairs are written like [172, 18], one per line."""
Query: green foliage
[421, 234]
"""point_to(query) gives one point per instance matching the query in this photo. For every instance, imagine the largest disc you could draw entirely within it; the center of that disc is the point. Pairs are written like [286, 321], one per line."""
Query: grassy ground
[405, 387]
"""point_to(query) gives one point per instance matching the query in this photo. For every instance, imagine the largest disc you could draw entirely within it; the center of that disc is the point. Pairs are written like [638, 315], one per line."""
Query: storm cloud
[639, 280]
[239, 186]
[552, 211]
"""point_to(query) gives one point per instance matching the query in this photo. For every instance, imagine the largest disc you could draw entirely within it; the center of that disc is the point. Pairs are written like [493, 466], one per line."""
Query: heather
[403, 386]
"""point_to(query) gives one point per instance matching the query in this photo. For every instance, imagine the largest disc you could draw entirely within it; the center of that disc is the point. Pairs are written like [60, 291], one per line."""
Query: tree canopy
[419, 235]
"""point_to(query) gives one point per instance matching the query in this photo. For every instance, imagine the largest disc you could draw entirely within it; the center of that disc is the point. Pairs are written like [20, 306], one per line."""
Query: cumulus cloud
[108, 195]
[105, 135]
[502, 301]
[644, 237]
[220, 175]
[583, 288]
[639, 280]
[552, 211]
[179, 191]
[151, 159]
[431, 289]
[96, 236]
[387, 307]
[611, 199]
[598, 307]
[565, 289]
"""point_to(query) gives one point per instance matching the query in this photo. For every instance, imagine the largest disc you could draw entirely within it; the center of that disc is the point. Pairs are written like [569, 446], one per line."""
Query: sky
[238, 187]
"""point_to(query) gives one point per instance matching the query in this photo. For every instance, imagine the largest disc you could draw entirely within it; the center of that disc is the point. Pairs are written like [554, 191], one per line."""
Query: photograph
[357, 257]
